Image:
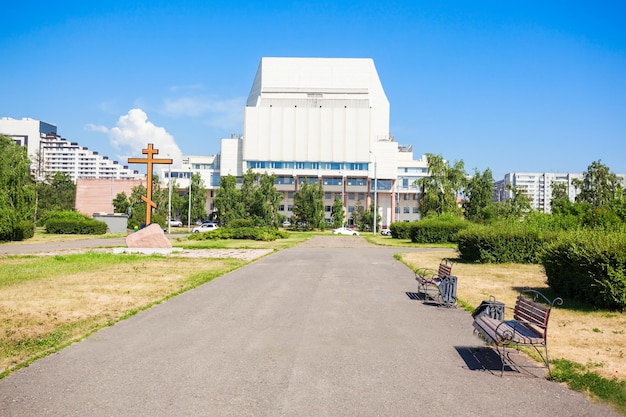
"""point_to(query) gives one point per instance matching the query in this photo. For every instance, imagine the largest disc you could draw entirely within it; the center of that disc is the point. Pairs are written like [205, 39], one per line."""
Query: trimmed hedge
[436, 230]
[73, 223]
[502, 243]
[400, 230]
[589, 266]
[252, 233]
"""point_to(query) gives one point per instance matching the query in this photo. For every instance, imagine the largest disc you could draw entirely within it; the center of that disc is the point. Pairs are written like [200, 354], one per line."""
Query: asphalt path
[308, 331]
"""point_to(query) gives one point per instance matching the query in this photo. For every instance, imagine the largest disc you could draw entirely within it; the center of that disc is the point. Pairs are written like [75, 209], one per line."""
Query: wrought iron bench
[440, 285]
[529, 326]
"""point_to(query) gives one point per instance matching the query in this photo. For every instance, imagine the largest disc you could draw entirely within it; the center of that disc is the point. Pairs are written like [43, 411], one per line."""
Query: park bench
[440, 285]
[529, 326]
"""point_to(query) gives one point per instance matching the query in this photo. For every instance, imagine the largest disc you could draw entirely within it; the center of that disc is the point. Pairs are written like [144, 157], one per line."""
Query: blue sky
[509, 86]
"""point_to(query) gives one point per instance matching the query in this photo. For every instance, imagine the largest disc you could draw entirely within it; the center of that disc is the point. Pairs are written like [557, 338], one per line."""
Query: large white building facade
[325, 120]
[50, 153]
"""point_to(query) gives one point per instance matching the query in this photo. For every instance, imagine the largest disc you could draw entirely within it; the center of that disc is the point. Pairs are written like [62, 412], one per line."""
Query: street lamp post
[375, 214]
[169, 201]
[189, 212]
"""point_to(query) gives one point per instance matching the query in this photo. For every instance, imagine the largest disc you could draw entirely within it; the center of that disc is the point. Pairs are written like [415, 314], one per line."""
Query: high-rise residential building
[50, 153]
[538, 186]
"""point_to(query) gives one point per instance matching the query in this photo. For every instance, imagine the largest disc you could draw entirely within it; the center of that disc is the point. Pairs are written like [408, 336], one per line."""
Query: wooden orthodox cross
[150, 161]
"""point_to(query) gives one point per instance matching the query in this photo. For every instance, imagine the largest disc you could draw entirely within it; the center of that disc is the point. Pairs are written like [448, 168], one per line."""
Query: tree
[366, 218]
[198, 200]
[357, 216]
[270, 200]
[559, 201]
[338, 215]
[121, 203]
[227, 201]
[599, 187]
[441, 187]
[17, 191]
[478, 206]
[56, 193]
[516, 207]
[308, 206]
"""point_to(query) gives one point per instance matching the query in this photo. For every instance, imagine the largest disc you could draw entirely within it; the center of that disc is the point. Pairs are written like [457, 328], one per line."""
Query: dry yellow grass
[81, 302]
[596, 339]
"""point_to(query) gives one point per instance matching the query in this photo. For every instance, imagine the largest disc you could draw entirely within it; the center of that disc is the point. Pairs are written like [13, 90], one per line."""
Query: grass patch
[51, 302]
[579, 378]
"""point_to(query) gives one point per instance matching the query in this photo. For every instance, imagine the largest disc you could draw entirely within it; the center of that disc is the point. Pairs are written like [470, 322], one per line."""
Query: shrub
[70, 222]
[24, 230]
[502, 242]
[400, 230]
[589, 266]
[441, 229]
[252, 233]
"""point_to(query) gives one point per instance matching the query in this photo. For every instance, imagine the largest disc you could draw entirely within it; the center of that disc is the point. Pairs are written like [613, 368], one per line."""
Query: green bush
[24, 230]
[589, 266]
[441, 229]
[400, 230]
[502, 242]
[73, 223]
[252, 233]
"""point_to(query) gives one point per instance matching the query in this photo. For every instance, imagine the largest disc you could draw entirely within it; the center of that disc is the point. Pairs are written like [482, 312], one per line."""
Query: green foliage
[121, 204]
[580, 379]
[257, 200]
[308, 206]
[56, 193]
[439, 229]
[502, 243]
[599, 186]
[249, 233]
[478, 206]
[17, 190]
[70, 222]
[589, 266]
[441, 187]
[401, 230]
[241, 223]
[338, 216]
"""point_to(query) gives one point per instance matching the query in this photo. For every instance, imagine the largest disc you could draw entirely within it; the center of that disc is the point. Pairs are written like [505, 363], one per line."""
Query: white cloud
[97, 128]
[134, 132]
[222, 114]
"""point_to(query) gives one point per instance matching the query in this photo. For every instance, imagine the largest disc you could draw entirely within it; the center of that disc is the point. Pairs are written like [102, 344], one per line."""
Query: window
[327, 209]
[406, 210]
[350, 209]
[350, 196]
[290, 207]
[415, 210]
[327, 196]
[281, 207]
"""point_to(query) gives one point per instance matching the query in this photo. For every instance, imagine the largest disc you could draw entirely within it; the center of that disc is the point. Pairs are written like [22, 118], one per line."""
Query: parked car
[205, 227]
[345, 231]
[176, 223]
[385, 232]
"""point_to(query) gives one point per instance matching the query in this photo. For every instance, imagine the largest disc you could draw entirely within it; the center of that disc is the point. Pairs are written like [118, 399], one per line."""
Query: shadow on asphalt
[487, 359]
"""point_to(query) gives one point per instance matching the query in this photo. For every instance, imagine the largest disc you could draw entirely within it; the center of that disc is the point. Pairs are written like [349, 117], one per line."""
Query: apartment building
[538, 186]
[50, 153]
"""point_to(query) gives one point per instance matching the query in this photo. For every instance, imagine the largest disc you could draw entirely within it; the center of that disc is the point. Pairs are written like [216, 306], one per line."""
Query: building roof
[352, 76]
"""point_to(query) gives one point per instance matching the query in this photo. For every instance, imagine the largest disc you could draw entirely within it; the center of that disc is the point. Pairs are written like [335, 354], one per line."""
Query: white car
[345, 231]
[205, 227]
[176, 223]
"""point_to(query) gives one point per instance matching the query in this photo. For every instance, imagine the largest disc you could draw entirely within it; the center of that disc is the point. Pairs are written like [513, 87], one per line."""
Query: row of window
[333, 166]
[328, 209]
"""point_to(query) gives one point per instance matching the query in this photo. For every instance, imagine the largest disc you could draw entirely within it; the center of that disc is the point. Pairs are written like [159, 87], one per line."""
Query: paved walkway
[308, 331]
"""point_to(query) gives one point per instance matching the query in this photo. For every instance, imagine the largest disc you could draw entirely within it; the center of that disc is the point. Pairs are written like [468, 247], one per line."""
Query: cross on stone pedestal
[149, 161]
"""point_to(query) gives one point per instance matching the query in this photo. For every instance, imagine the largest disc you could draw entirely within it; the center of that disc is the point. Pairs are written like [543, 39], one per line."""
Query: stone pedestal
[151, 236]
